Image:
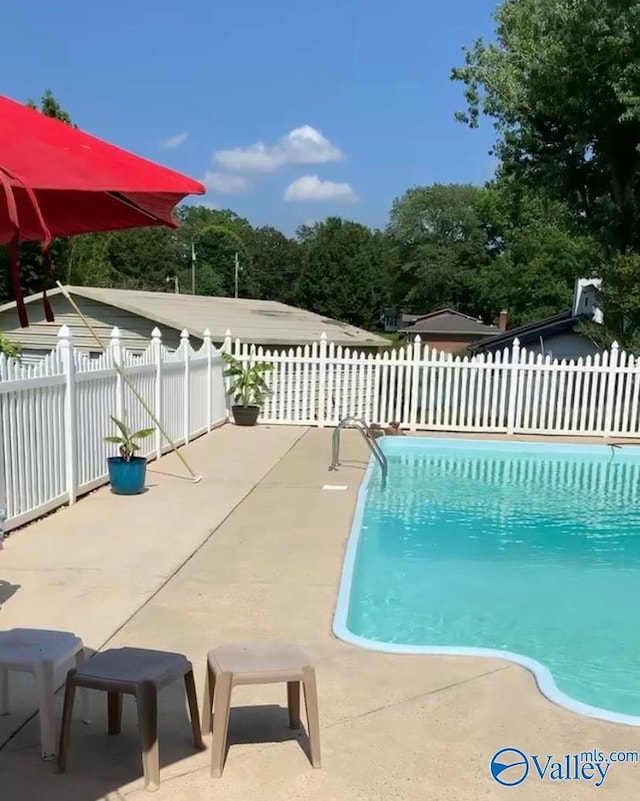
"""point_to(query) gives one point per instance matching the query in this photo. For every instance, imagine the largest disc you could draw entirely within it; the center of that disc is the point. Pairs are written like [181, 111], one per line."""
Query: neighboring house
[448, 330]
[393, 320]
[557, 336]
[260, 322]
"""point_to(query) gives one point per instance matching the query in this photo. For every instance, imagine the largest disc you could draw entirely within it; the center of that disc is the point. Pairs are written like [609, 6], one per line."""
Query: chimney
[504, 319]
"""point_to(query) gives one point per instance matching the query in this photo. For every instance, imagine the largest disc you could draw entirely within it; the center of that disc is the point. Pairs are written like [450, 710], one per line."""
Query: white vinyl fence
[55, 413]
[511, 392]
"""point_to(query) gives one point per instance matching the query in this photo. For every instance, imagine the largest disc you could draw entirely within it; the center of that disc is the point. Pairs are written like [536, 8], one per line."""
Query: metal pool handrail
[363, 428]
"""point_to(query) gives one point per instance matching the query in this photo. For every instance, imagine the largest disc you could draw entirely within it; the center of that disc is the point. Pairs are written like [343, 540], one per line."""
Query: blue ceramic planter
[127, 477]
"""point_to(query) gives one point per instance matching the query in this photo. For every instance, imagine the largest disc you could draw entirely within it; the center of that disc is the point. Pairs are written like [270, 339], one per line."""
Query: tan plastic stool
[238, 663]
[139, 672]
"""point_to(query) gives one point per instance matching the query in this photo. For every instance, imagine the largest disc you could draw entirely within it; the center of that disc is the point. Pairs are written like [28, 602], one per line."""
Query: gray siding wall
[564, 346]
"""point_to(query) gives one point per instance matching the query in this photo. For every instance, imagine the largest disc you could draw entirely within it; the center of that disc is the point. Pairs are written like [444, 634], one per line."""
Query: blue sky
[338, 107]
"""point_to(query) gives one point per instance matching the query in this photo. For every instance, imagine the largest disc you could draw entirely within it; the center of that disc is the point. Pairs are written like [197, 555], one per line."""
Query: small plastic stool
[141, 673]
[39, 652]
[239, 663]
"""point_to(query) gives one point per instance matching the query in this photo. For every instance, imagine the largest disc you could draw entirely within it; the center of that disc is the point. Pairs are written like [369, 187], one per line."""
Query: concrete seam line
[435, 691]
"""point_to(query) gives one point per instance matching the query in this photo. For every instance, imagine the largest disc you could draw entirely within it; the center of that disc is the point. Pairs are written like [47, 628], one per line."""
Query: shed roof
[260, 321]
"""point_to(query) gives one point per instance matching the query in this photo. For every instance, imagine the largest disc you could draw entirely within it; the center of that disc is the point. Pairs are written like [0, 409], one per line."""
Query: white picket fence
[510, 392]
[54, 415]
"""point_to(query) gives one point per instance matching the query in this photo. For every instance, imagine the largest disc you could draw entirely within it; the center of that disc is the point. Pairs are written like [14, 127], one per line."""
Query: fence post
[415, 381]
[512, 377]
[186, 355]
[322, 380]
[156, 350]
[226, 345]
[115, 343]
[227, 348]
[612, 374]
[208, 349]
[65, 349]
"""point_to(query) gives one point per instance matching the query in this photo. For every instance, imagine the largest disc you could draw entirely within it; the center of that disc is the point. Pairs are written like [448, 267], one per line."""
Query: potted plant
[247, 387]
[127, 472]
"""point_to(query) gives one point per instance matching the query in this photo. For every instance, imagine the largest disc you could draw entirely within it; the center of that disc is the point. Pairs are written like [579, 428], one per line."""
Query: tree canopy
[561, 83]
[442, 245]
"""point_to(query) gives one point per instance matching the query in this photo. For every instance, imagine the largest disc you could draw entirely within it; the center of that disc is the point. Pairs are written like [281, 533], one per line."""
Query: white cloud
[175, 141]
[304, 145]
[225, 183]
[310, 187]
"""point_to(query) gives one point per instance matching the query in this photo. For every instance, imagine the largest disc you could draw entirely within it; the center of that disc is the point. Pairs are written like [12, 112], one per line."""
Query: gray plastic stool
[258, 663]
[139, 672]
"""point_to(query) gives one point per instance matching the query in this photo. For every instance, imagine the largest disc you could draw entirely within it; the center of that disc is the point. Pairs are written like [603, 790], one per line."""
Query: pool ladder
[363, 428]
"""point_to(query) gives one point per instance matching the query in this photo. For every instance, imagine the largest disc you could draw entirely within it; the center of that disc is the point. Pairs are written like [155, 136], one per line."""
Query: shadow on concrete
[180, 477]
[267, 723]
[102, 766]
[143, 491]
[7, 590]
[99, 765]
[353, 464]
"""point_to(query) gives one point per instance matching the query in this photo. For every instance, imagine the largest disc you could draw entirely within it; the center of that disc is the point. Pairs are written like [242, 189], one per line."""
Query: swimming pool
[519, 550]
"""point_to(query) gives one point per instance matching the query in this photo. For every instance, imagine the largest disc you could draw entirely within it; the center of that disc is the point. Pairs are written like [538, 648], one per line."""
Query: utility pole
[193, 268]
[237, 271]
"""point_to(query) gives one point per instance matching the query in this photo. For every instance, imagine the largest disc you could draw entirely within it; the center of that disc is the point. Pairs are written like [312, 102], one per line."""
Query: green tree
[346, 271]
[141, 258]
[442, 243]
[50, 107]
[621, 302]
[88, 261]
[217, 235]
[277, 264]
[562, 85]
[537, 251]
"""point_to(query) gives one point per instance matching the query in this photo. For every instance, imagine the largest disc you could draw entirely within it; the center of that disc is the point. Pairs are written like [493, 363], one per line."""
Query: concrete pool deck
[255, 551]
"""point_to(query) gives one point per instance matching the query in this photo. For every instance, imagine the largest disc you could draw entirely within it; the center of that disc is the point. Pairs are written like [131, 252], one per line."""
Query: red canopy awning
[56, 180]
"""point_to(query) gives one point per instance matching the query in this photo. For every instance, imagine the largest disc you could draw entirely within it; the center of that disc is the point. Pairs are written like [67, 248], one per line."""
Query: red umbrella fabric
[56, 180]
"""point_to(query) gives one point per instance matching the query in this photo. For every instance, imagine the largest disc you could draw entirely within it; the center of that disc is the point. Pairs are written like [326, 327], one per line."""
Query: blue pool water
[528, 549]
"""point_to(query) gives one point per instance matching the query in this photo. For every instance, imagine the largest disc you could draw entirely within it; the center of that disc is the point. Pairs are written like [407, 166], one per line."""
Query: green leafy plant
[8, 347]
[127, 439]
[247, 384]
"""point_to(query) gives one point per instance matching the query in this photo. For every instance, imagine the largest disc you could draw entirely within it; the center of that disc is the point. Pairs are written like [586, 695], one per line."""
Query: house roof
[449, 321]
[258, 321]
[531, 332]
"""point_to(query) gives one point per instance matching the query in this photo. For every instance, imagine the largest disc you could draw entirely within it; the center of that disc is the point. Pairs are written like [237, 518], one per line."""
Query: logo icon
[509, 767]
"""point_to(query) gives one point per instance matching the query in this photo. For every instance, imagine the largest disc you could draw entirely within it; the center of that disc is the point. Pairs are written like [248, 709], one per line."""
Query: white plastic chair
[39, 652]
